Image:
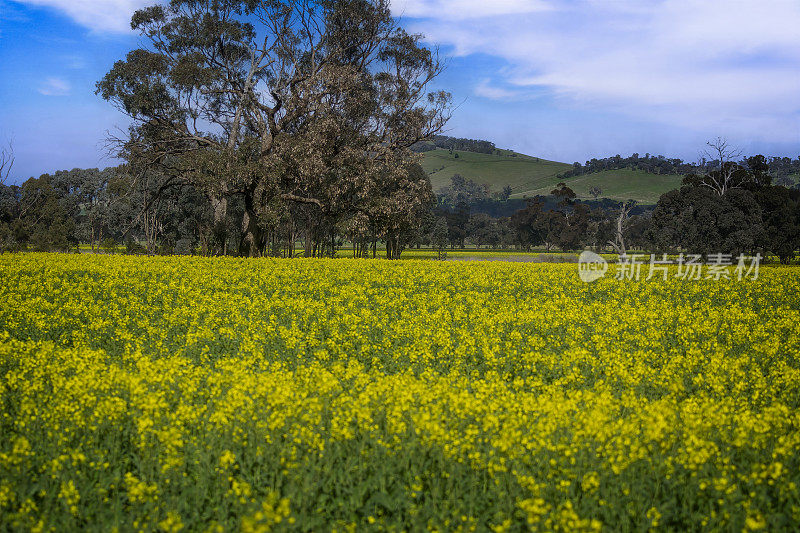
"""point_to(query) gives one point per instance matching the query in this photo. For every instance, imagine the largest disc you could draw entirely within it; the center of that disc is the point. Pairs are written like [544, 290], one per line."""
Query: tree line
[781, 169]
[734, 208]
[453, 143]
[731, 208]
[104, 209]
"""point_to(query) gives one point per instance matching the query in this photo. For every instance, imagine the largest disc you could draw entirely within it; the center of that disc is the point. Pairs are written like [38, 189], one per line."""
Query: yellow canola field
[255, 395]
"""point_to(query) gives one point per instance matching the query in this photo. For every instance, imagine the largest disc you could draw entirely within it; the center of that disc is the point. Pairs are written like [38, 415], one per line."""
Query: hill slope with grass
[622, 184]
[529, 176]
[520, 171]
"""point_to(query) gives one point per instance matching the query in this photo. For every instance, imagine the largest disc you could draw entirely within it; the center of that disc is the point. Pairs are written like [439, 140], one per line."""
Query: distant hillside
[521, 172]
[529, 176]
[622, 184]
[643, 179]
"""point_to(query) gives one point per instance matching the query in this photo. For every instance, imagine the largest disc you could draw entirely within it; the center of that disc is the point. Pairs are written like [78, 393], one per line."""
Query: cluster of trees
[464, 145]
[453, 144]
[653, 164]
[563, 222]
[730, 206]
[106, 208]
[290, 120]
[34, 214]
[755, 219]
[733, 208]
[784, 170]
[102, 208]
[466, 191]
[474, 215]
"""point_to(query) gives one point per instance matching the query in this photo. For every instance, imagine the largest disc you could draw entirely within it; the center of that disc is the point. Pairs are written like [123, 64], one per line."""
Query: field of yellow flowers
[226, 394]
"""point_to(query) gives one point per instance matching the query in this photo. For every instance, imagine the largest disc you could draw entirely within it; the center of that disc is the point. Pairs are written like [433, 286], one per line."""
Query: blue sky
[561, 79]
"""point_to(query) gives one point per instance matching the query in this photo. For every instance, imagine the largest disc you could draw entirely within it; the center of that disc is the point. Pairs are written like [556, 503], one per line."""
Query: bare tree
[622, 221]
[726, 176]
[721, 151]
[6, 162]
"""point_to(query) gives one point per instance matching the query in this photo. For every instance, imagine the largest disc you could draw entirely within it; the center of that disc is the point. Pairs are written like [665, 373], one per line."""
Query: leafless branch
[6, 162]
[720, 150]
[301, 199]
[723, 178]
[619, 237]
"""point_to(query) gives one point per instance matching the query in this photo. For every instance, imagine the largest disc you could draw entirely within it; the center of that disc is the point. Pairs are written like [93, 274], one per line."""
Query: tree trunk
[91, 238]
[250, 245]
[219, 206]
[392, 246]
[309, 241]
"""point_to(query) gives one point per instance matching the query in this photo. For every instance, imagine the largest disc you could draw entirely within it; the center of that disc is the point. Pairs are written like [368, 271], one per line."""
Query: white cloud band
[706, 64]
[112, 16]
[55, 87]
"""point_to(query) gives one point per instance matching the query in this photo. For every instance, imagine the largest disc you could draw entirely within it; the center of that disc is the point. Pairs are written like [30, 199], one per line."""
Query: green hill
[521, 172]
[623, 184]
[529, 176]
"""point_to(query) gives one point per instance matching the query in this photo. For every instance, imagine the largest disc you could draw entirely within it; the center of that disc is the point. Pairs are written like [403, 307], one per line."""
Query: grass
[530, 176]
[520, 171]
[624, 184]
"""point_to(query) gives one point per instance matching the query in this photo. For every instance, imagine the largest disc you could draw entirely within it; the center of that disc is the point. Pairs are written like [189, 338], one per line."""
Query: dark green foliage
[653, 164]
[562, 222]
[452, 144]
[732, 208]
[464, 145]
[781, 220]
[528, 224]
[699, 220]
[463, 191]
[439, 236]
[39, 215]
[563, 194]
[457, 221]
[484, 230]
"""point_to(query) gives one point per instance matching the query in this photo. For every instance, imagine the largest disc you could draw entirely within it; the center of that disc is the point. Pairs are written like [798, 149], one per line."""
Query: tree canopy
[302, 109]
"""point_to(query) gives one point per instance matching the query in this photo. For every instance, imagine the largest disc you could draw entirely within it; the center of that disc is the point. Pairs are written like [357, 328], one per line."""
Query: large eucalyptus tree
[310, 102]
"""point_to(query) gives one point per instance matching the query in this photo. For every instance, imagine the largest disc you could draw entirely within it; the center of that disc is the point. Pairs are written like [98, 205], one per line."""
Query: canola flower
[194, 394]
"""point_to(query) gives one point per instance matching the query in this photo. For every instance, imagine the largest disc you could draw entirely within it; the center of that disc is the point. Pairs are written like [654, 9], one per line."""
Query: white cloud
[55, 87]
[464, 9]
[486, 89]
[111, 16]
[725, 66]
[74, 62]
